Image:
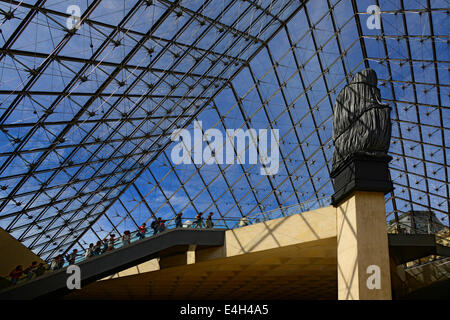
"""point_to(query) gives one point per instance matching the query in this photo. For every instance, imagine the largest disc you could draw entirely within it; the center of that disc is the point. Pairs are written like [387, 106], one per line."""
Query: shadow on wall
[282, 232]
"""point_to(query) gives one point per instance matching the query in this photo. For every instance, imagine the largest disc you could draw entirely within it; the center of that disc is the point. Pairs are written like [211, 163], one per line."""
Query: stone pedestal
[363, 251]
[362, 248]
[361, 173]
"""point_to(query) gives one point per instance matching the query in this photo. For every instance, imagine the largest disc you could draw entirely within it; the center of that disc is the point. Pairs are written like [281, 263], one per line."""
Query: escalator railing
[163, 244]
[440, 232]
[218, 223]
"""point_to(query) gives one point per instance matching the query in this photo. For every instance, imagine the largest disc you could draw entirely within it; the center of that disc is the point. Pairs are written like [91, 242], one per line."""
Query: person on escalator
[198, 221]
[208, 222]
[60, 261]
[155, 225]
[30, 270]
[89, 251]
[111, 242]
[178, 223]
[97, 248]
[126, 238]
[142, 231]
[40, 270]
[162, 226]
[72, 256]
[104, 246]
[16, 274]
[54, 264]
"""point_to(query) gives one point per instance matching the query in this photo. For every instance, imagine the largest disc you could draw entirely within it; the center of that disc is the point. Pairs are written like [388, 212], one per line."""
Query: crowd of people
[105, 245]
[197, 223]
[34, 270]
[158, 225]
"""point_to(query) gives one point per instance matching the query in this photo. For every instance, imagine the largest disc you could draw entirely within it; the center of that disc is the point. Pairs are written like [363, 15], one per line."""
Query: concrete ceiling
[304, 271]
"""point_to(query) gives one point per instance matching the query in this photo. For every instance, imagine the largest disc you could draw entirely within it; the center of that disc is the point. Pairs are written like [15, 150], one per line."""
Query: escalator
[402, 248]
[53, 285]
[420, 267]
[408, 247]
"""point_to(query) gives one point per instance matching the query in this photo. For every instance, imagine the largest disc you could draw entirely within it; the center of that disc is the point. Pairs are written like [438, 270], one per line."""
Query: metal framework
[86, 115]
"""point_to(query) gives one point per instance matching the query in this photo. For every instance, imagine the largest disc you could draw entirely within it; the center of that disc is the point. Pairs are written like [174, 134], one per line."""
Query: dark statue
[361, 137]
[361, 123]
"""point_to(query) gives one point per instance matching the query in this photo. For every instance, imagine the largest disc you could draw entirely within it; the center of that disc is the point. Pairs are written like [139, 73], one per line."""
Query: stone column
[362, 248]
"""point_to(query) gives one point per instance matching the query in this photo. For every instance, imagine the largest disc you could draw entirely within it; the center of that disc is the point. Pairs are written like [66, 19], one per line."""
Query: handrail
[441, 273]
[269, 215]
[117, 243]
[443, 235]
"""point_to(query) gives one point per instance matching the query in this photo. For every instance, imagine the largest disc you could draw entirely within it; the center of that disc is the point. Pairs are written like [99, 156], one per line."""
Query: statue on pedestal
[361, 136]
